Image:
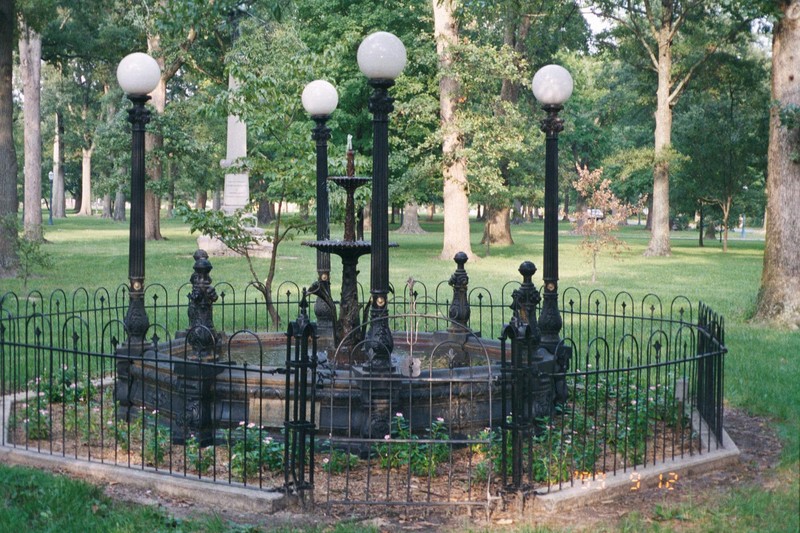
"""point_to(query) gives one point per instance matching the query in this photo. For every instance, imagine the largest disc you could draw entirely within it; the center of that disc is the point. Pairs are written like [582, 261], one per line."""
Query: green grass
[31, 500]
[762, 368]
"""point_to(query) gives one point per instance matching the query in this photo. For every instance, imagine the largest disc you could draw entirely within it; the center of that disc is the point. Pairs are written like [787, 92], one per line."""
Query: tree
[30, 58]
[603, 215]
[410, 224]
[456, 203]
[675, 38]
[8, 156]
[83, 42]
[733, 101]
[501, 40]
[779, 293]
[175, 29]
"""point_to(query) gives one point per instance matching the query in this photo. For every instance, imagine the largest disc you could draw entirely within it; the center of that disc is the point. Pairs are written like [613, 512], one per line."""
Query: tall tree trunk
[108, 206]
[497, 225]
[216, 202]
[456, 204]
[266, 211]
[173, 171]
[431, 211]
[86, 181]
[411, 220]
[119, 205]
[497, 228]
[364, 220]
[700, 223]
[152, 143]
[779, 294]
[360, 216]
[30, 57]
[201, 199]
[59, 202]
[519, 212]
[659, 237]
[8, 155]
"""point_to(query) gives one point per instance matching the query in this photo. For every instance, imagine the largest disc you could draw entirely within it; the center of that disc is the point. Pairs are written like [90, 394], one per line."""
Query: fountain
[450, 373]
[347, 330]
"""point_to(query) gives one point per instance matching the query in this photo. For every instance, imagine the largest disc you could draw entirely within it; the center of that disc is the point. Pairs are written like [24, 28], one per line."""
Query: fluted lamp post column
[381, 58]
[138, 74]
[320, 100]
[552, 86]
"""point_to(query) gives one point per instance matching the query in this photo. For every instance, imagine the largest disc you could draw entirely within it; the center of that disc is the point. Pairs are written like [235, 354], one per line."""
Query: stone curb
[201, 492]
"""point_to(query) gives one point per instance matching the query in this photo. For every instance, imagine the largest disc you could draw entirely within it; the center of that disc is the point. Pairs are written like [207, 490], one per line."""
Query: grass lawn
[762, 369]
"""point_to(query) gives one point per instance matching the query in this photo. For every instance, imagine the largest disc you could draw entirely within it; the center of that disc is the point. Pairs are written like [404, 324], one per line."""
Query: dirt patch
[757, 441]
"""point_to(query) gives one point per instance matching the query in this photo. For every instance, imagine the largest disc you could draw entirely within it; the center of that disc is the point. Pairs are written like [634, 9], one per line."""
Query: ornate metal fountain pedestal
[347, 326]
[348, 333]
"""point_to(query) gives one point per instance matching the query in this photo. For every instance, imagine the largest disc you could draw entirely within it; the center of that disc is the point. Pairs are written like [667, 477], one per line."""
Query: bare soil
[757, 441]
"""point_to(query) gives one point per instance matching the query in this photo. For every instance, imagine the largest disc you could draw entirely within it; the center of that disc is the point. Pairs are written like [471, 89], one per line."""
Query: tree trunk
[8, 156]
[700, 224]
[154, 142]
[726, 214]
[266, 212]
[59, 206]
[364, 221]
[519, 213]
[497, 228]
[411, 220]
[201, 199]
[659, 214]
[119, 205]
[86, 181]
[173, 171]
[431, 211]
[76, 206]
[779, 294]
[456, 204]
[216, 201]
[30, 57]
[108, 206]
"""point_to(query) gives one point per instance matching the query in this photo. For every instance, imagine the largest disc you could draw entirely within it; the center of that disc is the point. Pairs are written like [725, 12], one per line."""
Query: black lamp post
[381, 58]
[138, 74]
[552, 86]
[320, 100]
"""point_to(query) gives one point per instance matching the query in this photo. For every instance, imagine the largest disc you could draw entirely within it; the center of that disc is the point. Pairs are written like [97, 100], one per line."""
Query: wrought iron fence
[457, 423]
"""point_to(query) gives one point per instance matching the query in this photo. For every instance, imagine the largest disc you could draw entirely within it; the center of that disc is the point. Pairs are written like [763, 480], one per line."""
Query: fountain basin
[441, 375]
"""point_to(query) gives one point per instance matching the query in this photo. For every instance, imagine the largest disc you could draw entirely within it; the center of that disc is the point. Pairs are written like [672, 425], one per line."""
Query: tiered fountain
[347, 330]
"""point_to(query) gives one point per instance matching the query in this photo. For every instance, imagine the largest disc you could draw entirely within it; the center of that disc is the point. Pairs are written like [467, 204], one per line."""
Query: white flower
[241, 423]
[387, 437]
[399, 415]
[325, 461]
[440, 419]
[251, 425]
